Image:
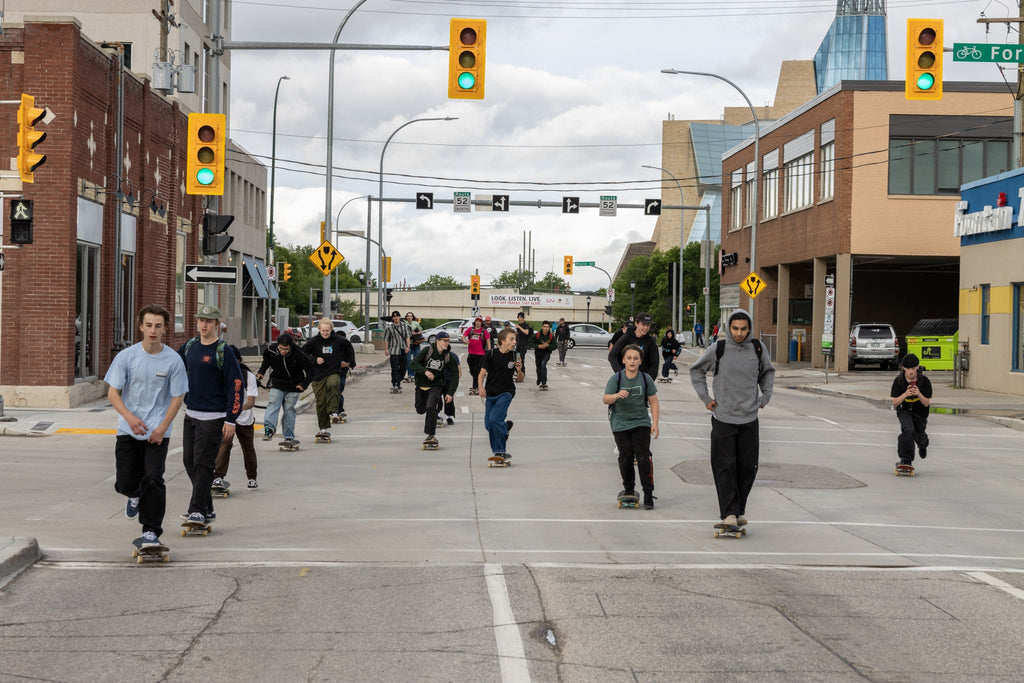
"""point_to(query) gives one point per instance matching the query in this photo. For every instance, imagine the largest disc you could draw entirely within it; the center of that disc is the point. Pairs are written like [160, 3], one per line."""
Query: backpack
[720, 350]
[220, 350]
[618, 387]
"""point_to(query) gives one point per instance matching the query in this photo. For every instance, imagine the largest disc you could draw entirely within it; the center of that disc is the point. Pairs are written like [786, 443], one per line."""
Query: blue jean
[341, 391]
[277, 398]
[413, 350]
[495, 412]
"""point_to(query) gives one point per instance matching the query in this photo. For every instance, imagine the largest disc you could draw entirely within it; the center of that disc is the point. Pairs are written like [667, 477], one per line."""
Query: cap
[645, 318]
[486, 318]
[910, 361]
[209, 312]
[478, 318]
[441, 335]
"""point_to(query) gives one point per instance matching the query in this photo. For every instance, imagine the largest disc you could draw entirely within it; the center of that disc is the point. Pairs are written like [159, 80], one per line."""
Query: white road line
[1001, 585]
[511, 655]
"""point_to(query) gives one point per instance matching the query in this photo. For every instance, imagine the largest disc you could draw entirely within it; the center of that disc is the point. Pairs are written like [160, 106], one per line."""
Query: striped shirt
[397, 338]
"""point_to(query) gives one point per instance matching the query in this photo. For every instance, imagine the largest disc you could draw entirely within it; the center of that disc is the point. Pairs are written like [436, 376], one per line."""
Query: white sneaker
[219, 481]
[253, 484]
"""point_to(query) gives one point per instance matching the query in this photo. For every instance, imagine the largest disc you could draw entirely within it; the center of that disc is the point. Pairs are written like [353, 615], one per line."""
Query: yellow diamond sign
[326, 258]
[752, 285]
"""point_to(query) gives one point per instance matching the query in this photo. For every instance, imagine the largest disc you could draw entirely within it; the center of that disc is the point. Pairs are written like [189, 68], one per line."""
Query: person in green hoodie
[437, 378]
[743, 381]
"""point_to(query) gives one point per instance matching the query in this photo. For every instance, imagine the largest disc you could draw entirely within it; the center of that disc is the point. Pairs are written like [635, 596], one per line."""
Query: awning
[257, 275]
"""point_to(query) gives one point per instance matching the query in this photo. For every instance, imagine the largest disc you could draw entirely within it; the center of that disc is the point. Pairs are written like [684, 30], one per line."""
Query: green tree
[516, 279]
[441, 282]
[552, 282]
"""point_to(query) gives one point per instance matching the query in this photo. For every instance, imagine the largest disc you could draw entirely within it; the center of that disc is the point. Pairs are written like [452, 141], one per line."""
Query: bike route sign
[988, 52]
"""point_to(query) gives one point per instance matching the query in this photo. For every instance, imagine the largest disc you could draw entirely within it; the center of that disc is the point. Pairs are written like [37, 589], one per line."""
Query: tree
[552, 282]
[441, 282]
[514, 279]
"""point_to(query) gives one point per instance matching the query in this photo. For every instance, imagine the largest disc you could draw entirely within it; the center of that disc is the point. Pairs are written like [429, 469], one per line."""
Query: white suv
[874, 343]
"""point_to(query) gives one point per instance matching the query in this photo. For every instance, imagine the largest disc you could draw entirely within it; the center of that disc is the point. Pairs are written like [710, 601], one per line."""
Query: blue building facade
[855, 47]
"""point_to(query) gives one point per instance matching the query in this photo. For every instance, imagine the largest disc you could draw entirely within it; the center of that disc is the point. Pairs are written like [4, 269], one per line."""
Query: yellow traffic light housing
[28, 138]
[924, 59]
[567, 265]
[467, 50]
[204, 164]
[474, 285]
[286, 275]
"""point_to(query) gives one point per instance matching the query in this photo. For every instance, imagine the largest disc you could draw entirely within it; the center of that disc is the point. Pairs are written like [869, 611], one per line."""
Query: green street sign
[586, 263]
[988, 52]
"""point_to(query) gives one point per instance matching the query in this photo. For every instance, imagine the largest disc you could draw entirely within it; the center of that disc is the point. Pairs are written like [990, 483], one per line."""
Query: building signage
[989, 219]
[542, 300]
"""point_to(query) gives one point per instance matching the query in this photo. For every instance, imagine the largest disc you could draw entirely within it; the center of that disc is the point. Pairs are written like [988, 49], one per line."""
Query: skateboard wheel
[717, 534]
[183, 533]
[139, 561]
[167, 557]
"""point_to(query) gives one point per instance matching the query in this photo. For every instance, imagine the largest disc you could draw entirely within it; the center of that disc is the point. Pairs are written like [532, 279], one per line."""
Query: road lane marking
[1001, 585]
[511, 655]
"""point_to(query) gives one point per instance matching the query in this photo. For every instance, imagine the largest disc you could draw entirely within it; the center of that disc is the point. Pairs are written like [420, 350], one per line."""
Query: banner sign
[541, 300]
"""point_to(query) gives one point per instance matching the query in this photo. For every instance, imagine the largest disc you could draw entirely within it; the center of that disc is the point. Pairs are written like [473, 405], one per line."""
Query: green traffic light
[466, 80]
[925, 81]
[204, 176]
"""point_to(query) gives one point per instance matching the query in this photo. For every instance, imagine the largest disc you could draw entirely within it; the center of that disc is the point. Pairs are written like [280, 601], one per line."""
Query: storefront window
[1018, 327]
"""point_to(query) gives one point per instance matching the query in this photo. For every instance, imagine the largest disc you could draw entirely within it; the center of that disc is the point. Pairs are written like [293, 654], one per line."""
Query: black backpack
[720, 350]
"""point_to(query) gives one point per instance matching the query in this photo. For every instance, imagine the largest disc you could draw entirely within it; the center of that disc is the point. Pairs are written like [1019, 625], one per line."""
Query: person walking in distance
[147, 387]
[502, 367]
[523, 335]
[478, 341]
[743, 380]
[290, 372]
[698, 333]
[911, 395]
[415, 341]
[543, 344]
[562, 334]
[628, 393]
[325, 353]
[397, 338]
[244, 428]
[212, 405]
[641, 335]
[437, 378]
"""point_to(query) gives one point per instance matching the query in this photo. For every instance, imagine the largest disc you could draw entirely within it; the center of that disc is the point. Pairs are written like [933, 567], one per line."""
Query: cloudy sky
[574, 106]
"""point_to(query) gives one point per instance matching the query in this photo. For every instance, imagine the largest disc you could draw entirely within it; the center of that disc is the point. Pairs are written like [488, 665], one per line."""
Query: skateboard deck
[323, 438]
[498, 461]
[628, 502]
[151, 553]
[430, 445]
[542, 387]
[665, 379]
[904, 470]
[396, 390]
[220, 491]
[189, 528]
[733, 530]
[288, 445]
[339, 420]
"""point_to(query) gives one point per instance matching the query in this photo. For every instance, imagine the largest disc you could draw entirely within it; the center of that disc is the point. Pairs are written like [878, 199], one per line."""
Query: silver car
[874, 343]
[585, 334]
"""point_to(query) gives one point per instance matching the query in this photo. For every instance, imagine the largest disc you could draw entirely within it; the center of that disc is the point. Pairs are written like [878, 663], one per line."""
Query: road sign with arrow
[222, 275]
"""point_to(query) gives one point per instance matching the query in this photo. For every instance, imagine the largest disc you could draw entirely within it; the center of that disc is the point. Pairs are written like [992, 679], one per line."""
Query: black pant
[476, 361]
[140, 474]
[428, 401]
[669, 363]
[912, 430]
[541, 358]
[734, 455]
[521, 352]
[398, 367]
[635, 443]
[200, 444]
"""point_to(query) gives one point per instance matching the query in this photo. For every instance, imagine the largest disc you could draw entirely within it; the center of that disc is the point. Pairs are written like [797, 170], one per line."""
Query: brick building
[862, 184]
[59, 326]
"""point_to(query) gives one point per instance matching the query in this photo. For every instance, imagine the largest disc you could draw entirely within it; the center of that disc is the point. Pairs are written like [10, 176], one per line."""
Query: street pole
[707, 270]
[273, 173]
[380, 207]
[757, 173]
[679, 282]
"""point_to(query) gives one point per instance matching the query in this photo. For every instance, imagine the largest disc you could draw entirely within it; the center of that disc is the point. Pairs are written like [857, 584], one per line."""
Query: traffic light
[286, 275]
[474, 285]
[21, 221]
[467, 49]
[204, 165]
[388, 293]
[28, 160]
[924, 59]
[214, 241]
[567, 265]
[689, 308]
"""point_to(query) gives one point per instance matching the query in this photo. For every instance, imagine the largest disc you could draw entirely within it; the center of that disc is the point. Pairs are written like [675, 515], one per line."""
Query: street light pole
[679, 283]
[757, 172]
[337, 221]
[632, 288]
[588, 309]
[273, 172]
[380, 207]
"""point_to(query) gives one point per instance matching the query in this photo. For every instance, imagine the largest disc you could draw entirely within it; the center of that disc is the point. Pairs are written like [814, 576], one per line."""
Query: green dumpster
[935, 342]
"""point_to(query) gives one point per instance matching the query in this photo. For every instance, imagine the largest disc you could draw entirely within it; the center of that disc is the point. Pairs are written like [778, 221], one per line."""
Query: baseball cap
[487, 318]
[209, 312]
[645, 318]
[910, 361]
[441, 335]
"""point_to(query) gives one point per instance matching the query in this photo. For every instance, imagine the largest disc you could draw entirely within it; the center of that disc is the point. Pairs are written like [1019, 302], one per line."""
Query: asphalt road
[370, 559]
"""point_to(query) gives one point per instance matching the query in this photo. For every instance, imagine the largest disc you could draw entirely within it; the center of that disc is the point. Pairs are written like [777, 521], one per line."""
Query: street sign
[326, 258]
[706, 291]
[611, 295]
[752, 285]
[462, 203]
[586, 263]
[425, 200]
[484, 202]
[570, 204]
[222, 275]
[988, 52]
[499, 202]
[652, 207]
[609, 205]
[272, 273]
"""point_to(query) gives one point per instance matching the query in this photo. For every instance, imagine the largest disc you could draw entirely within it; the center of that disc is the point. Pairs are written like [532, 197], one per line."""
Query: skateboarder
[244, 428]
[291, 369]
[562, 334]
[628, 393]
[212, 405]
[670, 349]
[397, 337]
[640, 335]
[911, 395]
[326, 352]
[437, 378]
[743, 381]
[523, 335]
[147, 387]
[498, 375]
[543, 343]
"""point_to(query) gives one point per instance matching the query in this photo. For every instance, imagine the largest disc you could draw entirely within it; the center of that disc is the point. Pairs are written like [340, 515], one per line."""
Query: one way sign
[425, 200]
[652, 207]
[224, 275]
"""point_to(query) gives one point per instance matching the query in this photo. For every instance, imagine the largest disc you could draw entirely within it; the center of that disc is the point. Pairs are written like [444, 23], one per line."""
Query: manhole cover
[774, 474]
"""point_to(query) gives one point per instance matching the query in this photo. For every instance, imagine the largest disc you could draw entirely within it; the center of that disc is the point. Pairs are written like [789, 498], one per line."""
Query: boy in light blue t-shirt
[147, 386]
[627, 394]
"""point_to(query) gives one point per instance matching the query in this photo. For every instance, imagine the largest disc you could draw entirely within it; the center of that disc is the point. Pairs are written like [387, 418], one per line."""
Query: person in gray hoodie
[742, 384]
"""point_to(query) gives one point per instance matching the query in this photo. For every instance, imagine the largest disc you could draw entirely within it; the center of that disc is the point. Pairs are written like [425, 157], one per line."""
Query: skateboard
[220, 491]
[630, 501]
[322, 438]
[665, 379]
[190, 528]
[904, 470]
[150, 553]
[396, 390]
[542, 387]
[498, 461]
[430, 444]
[339, 419]
[734, 530]
[289, 445]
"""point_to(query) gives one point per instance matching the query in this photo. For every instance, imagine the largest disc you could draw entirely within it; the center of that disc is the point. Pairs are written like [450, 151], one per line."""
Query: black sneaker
[922, 451]
[508, 425]
[131, 508]
[648, 500]
[451, 420]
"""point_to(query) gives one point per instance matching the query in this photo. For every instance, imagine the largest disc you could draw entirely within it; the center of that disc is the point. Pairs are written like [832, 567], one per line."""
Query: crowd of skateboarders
[149, 383]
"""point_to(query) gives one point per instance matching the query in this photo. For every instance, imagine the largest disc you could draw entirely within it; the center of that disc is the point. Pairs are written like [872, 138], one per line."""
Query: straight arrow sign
[224, 275]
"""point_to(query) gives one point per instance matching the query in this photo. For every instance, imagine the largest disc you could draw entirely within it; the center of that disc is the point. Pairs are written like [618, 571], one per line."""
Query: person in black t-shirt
[498, 374]
[911, 395]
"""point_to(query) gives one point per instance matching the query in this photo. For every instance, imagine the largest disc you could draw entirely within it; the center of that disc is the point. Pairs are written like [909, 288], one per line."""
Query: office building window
[736, 207]
[799, 179]
[940, 167]
[986, 297]
[828, 171]
[750, 196]
[770, 201]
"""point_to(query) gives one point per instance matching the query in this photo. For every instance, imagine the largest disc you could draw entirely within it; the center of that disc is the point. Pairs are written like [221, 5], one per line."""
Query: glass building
[855, 46]
[710, 141]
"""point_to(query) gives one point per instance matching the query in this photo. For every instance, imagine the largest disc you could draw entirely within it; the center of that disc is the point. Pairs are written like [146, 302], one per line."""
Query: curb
[17, 554]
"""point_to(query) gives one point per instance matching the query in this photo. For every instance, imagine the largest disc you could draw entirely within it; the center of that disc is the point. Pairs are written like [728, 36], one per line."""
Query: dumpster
[935, 341]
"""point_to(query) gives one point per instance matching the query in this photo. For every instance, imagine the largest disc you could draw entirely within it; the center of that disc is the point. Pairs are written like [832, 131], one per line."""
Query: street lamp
[588, 309]
[273, 172]
[757, 171]
[380, 206]
[679, 283]
[366, 272]
[632, 288]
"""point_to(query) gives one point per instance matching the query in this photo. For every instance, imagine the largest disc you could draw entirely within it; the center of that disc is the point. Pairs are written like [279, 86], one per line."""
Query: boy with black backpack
[628, 393]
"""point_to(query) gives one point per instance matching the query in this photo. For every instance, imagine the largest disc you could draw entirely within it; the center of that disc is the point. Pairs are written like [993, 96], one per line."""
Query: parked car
[451, 327]
[874, 343]
[585, 334]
